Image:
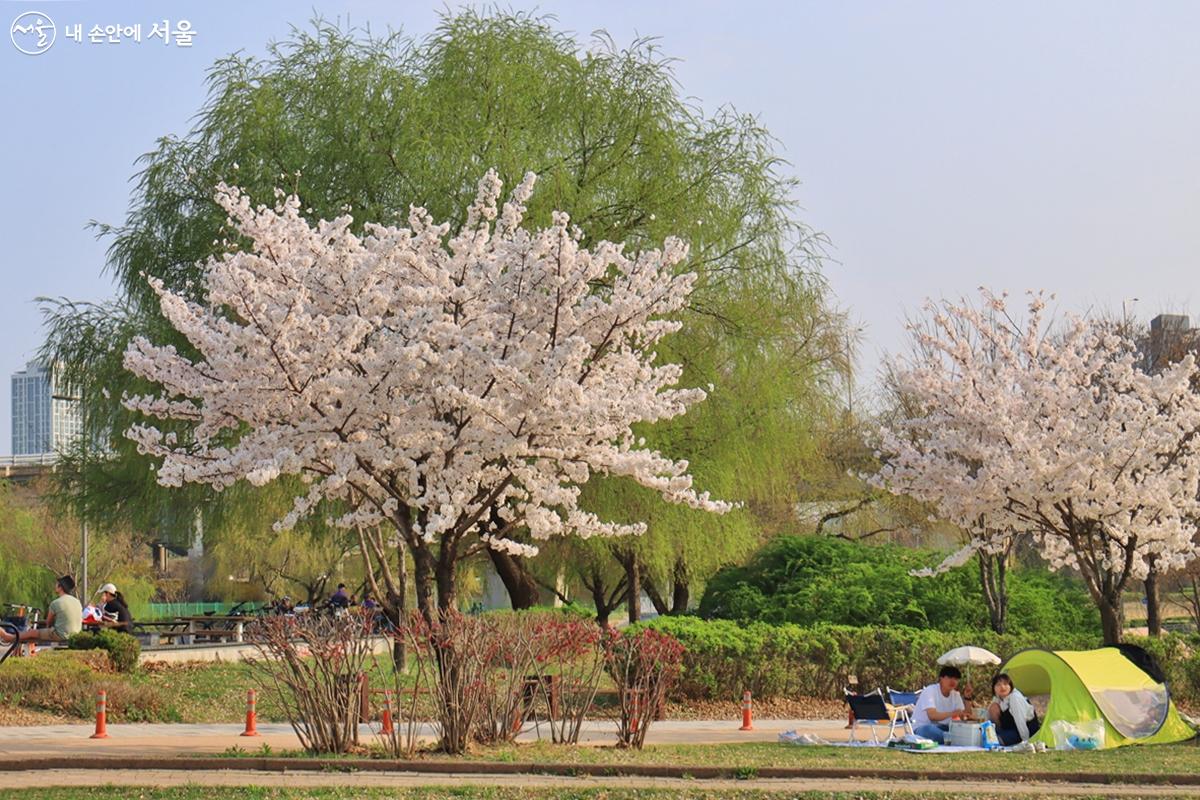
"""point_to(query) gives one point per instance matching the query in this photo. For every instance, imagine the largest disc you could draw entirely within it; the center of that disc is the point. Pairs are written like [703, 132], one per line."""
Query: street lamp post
[84, 571]
[1125, 304]
[852, 333]
[83, 560]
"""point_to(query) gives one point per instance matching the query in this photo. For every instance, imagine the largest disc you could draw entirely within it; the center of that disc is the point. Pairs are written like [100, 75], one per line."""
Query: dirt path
[153, 778]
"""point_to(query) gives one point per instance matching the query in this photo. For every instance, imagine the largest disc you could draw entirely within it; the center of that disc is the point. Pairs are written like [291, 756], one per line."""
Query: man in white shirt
[937, 704]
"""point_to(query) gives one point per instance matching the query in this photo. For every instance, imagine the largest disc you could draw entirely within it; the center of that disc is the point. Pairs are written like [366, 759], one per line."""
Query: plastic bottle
[987, 735]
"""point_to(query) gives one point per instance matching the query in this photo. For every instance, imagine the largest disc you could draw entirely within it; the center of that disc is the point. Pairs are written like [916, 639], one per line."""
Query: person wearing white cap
[116, 610]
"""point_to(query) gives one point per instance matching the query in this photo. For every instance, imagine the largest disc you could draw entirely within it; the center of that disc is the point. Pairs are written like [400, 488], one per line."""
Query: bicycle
[19, 618]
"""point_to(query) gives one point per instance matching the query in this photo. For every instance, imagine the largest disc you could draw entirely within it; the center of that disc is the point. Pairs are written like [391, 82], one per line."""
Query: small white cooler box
[964, 734]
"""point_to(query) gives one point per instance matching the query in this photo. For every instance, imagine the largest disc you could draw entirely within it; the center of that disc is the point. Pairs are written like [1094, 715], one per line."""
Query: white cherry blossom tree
[452, 390]
[1016, 428]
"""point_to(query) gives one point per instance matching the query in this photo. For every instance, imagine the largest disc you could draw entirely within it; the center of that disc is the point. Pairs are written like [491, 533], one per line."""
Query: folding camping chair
[902, 704]
[871, 710]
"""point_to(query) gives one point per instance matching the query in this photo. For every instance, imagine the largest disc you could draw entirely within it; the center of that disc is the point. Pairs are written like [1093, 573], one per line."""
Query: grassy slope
[65, 684]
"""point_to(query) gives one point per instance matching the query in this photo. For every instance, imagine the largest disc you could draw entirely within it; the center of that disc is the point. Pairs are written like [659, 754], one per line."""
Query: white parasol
[968, 656]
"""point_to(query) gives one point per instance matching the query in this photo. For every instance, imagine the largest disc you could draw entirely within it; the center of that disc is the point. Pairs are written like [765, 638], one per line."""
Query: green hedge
[725, 658]
[1179, 657]
[123, 650]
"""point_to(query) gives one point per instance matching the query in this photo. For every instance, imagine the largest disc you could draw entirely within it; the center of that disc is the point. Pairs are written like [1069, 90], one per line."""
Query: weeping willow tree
[772, 357]
[376, 124]
[248, 559]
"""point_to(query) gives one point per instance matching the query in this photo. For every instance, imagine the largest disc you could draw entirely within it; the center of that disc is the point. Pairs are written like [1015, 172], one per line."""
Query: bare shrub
[313, 665]
[412, 687]
[490, 675]
[515, 644]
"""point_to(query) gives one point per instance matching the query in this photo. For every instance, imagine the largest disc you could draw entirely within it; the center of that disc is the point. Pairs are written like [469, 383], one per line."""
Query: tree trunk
[1193, 600]
[1153, 608]
[680, 597]
[680, 594]
[394, 606]
[660, 603]
[604, 599]
[993, 569]
[600, 600]
[445, 574]
[1111, 619]
[423, 582]
[517, 578]
[633, 589]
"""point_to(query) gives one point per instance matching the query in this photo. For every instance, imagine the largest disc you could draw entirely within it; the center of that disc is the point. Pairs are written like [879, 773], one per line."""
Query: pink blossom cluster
[465, 384]
[1017, 427]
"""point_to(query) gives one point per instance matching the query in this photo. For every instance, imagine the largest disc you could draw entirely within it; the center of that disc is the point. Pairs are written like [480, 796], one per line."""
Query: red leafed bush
[644, 664]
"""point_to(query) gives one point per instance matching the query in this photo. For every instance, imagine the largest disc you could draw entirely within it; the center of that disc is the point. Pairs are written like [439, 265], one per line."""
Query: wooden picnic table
[156, 631]
[217, 627]
[189, 630]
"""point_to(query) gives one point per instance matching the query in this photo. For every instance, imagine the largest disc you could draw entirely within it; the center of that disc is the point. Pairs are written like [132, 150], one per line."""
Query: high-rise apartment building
[44, 420]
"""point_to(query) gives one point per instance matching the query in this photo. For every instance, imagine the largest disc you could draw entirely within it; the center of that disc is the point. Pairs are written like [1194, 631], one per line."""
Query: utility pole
[83, 595]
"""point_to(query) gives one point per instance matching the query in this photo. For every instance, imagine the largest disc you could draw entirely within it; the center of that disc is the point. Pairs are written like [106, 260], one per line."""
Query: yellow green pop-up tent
[1103, 684]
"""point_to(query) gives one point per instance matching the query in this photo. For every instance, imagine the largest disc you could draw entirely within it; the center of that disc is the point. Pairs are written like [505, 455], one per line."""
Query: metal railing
[29, 460]
[173, 610]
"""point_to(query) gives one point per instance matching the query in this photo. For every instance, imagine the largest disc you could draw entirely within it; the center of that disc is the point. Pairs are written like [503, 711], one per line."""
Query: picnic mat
[944, 748]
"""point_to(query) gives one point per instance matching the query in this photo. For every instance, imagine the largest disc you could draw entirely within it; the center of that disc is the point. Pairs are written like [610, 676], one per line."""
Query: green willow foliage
[379, 124]
[809, 580]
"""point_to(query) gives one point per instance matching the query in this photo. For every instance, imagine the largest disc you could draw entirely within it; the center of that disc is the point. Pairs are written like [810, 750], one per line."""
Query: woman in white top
[1012, 713]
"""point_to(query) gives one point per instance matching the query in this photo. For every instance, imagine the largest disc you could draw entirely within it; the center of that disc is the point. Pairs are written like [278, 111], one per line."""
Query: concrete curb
[268, 764]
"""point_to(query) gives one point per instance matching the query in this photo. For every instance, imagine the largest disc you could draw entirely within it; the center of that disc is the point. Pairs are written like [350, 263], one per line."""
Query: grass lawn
[441, 793]
[1158, 759]
[750, 757]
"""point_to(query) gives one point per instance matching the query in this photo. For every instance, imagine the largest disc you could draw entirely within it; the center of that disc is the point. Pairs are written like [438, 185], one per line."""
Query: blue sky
[942, 145]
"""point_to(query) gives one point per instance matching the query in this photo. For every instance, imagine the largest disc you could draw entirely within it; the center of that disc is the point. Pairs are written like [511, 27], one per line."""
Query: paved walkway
[177, 739]
[853, 786]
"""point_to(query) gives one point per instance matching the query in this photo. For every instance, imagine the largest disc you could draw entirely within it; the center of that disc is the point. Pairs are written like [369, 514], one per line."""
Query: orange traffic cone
[747, 714]
[251, 714]
[101, 715]
[387, 729]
